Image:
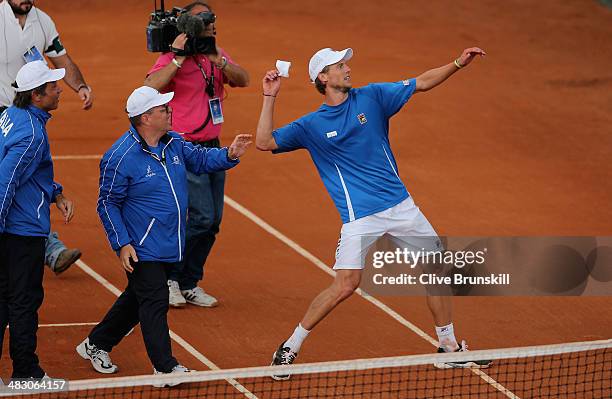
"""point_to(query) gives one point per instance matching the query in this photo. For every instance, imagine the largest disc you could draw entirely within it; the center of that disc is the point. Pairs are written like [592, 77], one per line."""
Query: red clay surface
[516, 144]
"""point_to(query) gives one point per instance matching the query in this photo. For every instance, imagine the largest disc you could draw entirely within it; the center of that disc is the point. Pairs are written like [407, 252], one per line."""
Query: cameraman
[198, 85]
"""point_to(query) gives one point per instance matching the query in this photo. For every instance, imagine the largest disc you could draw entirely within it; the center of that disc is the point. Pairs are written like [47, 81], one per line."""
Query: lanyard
[210, 83]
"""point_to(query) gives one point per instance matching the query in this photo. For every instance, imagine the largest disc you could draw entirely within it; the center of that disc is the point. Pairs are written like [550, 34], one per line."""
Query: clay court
[519, 143]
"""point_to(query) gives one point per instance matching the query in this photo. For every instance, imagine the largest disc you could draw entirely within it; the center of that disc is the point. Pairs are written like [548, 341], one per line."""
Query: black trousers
[22, 262]
[144, 301]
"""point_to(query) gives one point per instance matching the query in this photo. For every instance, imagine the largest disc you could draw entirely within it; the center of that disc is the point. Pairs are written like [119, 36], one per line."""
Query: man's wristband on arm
[83, 86]
[176, 63]
[457, 64]
[268, 95]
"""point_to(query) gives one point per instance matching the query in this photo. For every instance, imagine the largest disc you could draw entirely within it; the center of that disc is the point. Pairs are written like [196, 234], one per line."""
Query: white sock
[446, 337]
[295, 341]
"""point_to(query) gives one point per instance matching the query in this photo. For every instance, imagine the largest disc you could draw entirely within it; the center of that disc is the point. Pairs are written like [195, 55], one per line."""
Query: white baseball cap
[325, 57]
[35, 74]
[144, 98]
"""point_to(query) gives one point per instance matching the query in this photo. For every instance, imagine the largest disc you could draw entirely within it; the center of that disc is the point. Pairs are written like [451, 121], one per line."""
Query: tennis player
[348, 140]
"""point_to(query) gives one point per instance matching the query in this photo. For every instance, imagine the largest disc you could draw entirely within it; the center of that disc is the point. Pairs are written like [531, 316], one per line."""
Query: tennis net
[571, 370]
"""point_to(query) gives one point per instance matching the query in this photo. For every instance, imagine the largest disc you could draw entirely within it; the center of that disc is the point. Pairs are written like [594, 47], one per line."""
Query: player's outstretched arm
[432, 78]
[271, 86]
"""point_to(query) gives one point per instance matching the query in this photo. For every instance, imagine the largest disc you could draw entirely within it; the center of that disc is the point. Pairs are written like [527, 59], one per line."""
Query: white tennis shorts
[404, 222]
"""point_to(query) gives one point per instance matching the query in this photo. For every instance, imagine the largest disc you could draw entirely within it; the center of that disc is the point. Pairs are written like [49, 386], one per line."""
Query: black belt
[213, 143]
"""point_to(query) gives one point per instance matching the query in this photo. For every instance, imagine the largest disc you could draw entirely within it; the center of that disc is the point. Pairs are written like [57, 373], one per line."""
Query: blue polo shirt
[349, 144]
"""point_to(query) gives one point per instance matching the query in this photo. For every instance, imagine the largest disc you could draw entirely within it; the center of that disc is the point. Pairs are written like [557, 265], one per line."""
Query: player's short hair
[24, 98]
[320, 85]
[136, 120]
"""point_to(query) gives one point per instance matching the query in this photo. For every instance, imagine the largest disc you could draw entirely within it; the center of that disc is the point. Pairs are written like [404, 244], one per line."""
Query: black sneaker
[471, 364]
[282, 357]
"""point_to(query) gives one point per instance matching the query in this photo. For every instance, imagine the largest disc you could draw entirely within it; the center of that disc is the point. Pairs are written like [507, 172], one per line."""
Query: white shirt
[39, 31]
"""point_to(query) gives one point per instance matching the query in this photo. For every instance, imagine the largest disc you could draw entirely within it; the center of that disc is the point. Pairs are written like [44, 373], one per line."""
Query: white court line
[66, 325]
[193, 351]
[318, 263]
[76, 157]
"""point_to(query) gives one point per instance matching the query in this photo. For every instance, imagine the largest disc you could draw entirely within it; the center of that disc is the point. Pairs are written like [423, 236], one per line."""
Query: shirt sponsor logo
[406, 82]
[150, 172]
[331, 134]
[176, 160]
[362, 119]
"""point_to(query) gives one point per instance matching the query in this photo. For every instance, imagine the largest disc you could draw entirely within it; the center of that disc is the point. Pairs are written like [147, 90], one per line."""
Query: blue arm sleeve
[57, 189]
[391, 96]
[200, 159]
[290, 137]
[113, 190]
[22, 154]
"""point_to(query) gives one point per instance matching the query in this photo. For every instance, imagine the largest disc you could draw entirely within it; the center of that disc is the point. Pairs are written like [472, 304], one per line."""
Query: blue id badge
[32, 55]
[215, 110]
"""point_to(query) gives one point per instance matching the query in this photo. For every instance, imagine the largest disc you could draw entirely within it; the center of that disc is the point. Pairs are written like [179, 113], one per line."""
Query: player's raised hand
[469, 54]
[239, 146]
[271, 83]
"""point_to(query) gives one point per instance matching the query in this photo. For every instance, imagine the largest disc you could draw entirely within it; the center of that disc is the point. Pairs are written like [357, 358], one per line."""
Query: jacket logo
[5, 124]
[331, 134]
[150, 173]
[362, 118]
[176, 160]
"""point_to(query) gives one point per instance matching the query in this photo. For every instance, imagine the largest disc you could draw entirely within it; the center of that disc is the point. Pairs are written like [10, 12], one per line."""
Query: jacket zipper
[147, 232]
[42, 201]
[178, 207]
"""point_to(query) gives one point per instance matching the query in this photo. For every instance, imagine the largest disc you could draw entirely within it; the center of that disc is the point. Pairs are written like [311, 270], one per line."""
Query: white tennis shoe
[175, 370]
[100, 360]
[176, 299]
[197, 296]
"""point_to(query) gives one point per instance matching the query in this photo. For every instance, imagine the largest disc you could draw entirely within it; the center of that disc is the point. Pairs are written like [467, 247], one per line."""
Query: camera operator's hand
[216, 59]
[179, 43]
[271, 83]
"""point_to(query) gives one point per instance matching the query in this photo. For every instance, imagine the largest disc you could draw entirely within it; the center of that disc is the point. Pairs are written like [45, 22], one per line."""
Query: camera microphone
[190, 25]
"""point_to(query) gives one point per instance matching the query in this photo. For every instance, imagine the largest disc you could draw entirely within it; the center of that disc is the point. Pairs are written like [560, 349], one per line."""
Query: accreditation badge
[32, 55]
[216, 112]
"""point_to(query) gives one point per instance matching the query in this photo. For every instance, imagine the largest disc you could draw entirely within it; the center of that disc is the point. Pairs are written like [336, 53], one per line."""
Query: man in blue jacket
[26, 190]
[142, 205]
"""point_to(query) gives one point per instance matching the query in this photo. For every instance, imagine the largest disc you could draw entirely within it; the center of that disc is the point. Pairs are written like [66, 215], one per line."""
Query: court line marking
[376, 302]
[66, 325]
[318, 263]
[174, 336]
[76, 157]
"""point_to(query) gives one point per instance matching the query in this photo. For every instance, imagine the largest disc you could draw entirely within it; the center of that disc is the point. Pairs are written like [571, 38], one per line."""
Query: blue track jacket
[143, 192]
[26, 172]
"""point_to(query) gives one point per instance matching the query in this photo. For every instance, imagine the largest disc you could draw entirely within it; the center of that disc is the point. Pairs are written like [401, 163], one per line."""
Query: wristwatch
[223, 63]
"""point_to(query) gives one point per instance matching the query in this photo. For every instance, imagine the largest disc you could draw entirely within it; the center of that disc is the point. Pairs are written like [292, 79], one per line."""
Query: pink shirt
[190, 106]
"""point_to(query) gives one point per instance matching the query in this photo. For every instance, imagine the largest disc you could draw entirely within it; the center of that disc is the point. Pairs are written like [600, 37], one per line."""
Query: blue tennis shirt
[349, 144]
